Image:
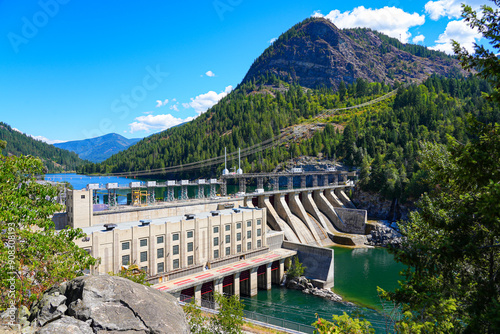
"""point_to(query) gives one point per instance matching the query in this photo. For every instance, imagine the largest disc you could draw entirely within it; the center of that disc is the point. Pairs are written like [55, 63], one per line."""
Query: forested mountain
[55, 159]
[316, 53]
[99, 148]
[382, 139]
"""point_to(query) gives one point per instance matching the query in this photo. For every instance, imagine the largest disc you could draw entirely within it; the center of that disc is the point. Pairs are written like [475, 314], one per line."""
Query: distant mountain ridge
[100, 148]
[54, 158]
[316, 53]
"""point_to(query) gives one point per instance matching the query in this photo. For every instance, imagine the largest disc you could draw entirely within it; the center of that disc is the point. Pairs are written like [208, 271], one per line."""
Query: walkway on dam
[219, 273]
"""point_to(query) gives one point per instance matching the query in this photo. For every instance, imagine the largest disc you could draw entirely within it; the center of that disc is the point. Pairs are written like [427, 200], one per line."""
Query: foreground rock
[107, 304]
[303, 284]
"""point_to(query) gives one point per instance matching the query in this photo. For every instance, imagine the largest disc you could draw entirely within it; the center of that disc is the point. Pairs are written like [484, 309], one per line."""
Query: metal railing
[209, 305]
[279, 322]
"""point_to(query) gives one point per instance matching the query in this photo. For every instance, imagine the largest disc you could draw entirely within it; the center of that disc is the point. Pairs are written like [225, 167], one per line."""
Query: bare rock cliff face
[317, 53]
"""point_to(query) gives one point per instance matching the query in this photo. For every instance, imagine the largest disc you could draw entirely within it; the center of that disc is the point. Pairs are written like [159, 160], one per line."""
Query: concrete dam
[314, 215]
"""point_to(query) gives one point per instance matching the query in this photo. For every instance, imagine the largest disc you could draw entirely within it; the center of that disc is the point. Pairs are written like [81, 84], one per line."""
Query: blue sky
[74, 69]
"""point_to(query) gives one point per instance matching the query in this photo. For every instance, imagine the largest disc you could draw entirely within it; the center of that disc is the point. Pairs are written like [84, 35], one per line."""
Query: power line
[286, 135]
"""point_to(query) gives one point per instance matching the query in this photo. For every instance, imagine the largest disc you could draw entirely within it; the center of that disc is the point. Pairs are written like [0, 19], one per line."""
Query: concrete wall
[311, 208]
[294, 222]
[275, 240]
[333, 199]
[319, 262]
[326, 207]
[344, 198]
[79, 208]
[297, 209]
[274, 220]
[354, 219]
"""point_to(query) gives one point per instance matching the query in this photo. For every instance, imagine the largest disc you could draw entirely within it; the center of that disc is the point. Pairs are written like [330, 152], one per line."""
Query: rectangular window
[216, 254]
[249, 234]
[249, 245]
[238, 225]
[228, 250]
[190, 247]
[175, 250]
[190, 260]
[238, 236]
[160, 267]
[159, 253]
[259, 243]
[125, 260]
[144, 242]
[216, 241]
[216, 229]
[259, 221]
[176, 264]
[145, 269]
[175, 236]
[159, 240]
[249, 223]
[125, 245]
[228, 227]
[228, 239]
[189, 234]
[238, 249]
[259, 232]
[83, 196]
[144, 256]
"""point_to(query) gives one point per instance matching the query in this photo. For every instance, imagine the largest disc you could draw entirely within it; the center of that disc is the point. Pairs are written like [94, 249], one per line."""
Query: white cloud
[46, 140]
[160, 103]
[418, 39]
[272, 40]
[449, 8]
[203, 102]
[156, 123]
[41, 138]
[460, 32]
[391, 21]
[185, 105]
[210, 74]
[174, 107]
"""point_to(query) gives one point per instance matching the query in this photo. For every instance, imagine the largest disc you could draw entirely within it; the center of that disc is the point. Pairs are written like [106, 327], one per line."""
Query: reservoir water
[358, 272]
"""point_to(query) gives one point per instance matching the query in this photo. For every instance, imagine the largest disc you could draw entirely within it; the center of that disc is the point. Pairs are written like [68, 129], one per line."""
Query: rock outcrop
[378, 207]
[107, 304]
[303, 284]
[384, 235]
[316, 53]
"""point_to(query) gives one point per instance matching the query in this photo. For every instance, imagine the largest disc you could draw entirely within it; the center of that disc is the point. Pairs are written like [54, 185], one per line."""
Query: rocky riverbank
[303, 284]
[384, 235]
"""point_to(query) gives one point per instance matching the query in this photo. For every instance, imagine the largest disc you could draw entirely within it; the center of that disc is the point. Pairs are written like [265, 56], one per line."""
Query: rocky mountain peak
[316, 53]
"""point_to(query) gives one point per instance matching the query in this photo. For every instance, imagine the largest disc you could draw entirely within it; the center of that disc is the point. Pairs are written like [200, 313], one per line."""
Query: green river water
[358, 272]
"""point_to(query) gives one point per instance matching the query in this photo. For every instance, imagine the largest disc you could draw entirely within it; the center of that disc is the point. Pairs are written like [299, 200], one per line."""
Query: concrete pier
[275, 221]
[294, 222]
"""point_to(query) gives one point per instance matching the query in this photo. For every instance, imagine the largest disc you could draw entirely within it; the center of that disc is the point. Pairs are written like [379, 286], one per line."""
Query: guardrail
[208, 305]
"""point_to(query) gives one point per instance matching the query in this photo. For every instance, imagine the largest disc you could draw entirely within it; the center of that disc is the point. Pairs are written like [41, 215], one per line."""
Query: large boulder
[107, 304]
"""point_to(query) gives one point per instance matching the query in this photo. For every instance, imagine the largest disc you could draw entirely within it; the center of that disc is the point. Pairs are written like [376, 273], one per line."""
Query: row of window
[175, 236]
[160, 267]
[160, 254]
